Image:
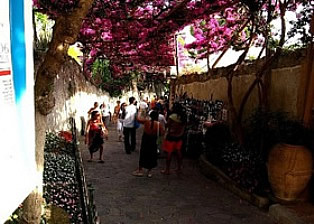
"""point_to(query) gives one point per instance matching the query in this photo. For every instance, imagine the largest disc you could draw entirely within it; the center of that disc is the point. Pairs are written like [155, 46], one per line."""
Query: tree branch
[268, 62]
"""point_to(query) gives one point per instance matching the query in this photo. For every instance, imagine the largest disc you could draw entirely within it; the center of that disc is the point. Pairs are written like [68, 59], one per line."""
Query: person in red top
[94, 137]
[174, 138]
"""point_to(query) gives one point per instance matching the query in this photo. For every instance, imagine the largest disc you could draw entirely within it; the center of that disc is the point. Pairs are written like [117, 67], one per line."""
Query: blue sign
[18, 175]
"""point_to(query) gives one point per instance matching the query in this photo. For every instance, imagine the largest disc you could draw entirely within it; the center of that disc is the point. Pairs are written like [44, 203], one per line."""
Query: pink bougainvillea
[133, 34]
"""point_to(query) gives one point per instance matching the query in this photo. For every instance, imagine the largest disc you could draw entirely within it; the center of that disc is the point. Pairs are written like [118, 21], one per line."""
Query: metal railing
[89, 212]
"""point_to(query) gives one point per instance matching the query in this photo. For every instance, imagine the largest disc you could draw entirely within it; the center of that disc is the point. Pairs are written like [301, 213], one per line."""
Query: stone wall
[217, 89]
[75, 95]
[285, 90]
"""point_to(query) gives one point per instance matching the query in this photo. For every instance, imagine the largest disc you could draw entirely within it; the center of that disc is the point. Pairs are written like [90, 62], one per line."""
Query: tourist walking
[116, 111]
[160, 105]
[174, 137]
[94, 137]
[121, 116]
[153, 102]
[143, 106]
[161, 118]
[94, 108]
[148, 151]
[105, 113]
[129, 131]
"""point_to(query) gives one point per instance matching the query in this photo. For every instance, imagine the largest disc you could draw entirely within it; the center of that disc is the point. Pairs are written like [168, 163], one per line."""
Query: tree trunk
[33, 203]
[268, 63]
[267, 77]
[267, 84]
[134, 89]
[309, 94]
[236, 126]
[307, 118]
[35, 42]
[65, 33]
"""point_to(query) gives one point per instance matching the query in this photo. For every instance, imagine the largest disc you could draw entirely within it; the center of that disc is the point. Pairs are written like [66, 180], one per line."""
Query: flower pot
[289, 170]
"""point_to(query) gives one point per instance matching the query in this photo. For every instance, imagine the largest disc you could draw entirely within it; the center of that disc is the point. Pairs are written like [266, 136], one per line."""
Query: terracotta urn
[289, 170]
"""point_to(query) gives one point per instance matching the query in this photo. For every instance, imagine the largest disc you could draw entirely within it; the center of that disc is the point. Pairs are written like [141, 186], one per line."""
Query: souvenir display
[198, 111]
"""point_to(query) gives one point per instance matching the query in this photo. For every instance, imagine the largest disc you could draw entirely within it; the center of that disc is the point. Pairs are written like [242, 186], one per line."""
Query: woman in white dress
[119, 121]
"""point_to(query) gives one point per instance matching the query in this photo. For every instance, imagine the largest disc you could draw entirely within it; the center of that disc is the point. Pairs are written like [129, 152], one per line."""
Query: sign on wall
[17, 132]
[6, 81]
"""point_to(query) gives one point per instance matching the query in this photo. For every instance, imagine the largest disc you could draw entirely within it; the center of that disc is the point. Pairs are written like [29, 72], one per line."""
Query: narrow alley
[190, 198]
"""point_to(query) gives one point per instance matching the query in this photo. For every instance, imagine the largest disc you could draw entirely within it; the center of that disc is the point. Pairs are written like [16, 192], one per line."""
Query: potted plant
[290, 161]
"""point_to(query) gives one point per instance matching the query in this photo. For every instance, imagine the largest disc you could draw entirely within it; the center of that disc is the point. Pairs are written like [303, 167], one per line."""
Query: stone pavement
[189, 198]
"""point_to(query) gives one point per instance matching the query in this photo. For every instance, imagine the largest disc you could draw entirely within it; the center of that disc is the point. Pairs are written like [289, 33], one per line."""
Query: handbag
[136, 124]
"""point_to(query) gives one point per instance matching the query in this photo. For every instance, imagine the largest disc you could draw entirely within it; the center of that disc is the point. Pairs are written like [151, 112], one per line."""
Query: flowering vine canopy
[140, 34]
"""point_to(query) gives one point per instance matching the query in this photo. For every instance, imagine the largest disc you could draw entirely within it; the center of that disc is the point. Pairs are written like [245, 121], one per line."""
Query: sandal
[137, 173]
[149, 175]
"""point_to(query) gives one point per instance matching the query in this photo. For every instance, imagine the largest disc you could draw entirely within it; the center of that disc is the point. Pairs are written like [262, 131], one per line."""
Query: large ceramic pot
[289, 170]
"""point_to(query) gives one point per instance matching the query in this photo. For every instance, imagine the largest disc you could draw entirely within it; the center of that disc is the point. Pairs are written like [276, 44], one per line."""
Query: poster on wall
[17, 133]
[6, 81]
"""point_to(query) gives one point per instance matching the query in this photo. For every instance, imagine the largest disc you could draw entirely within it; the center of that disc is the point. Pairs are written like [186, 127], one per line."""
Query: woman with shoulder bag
[95, 133]
[148, 152]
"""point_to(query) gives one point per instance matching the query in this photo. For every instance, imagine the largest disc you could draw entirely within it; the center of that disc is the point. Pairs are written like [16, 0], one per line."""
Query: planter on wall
[289, 170]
